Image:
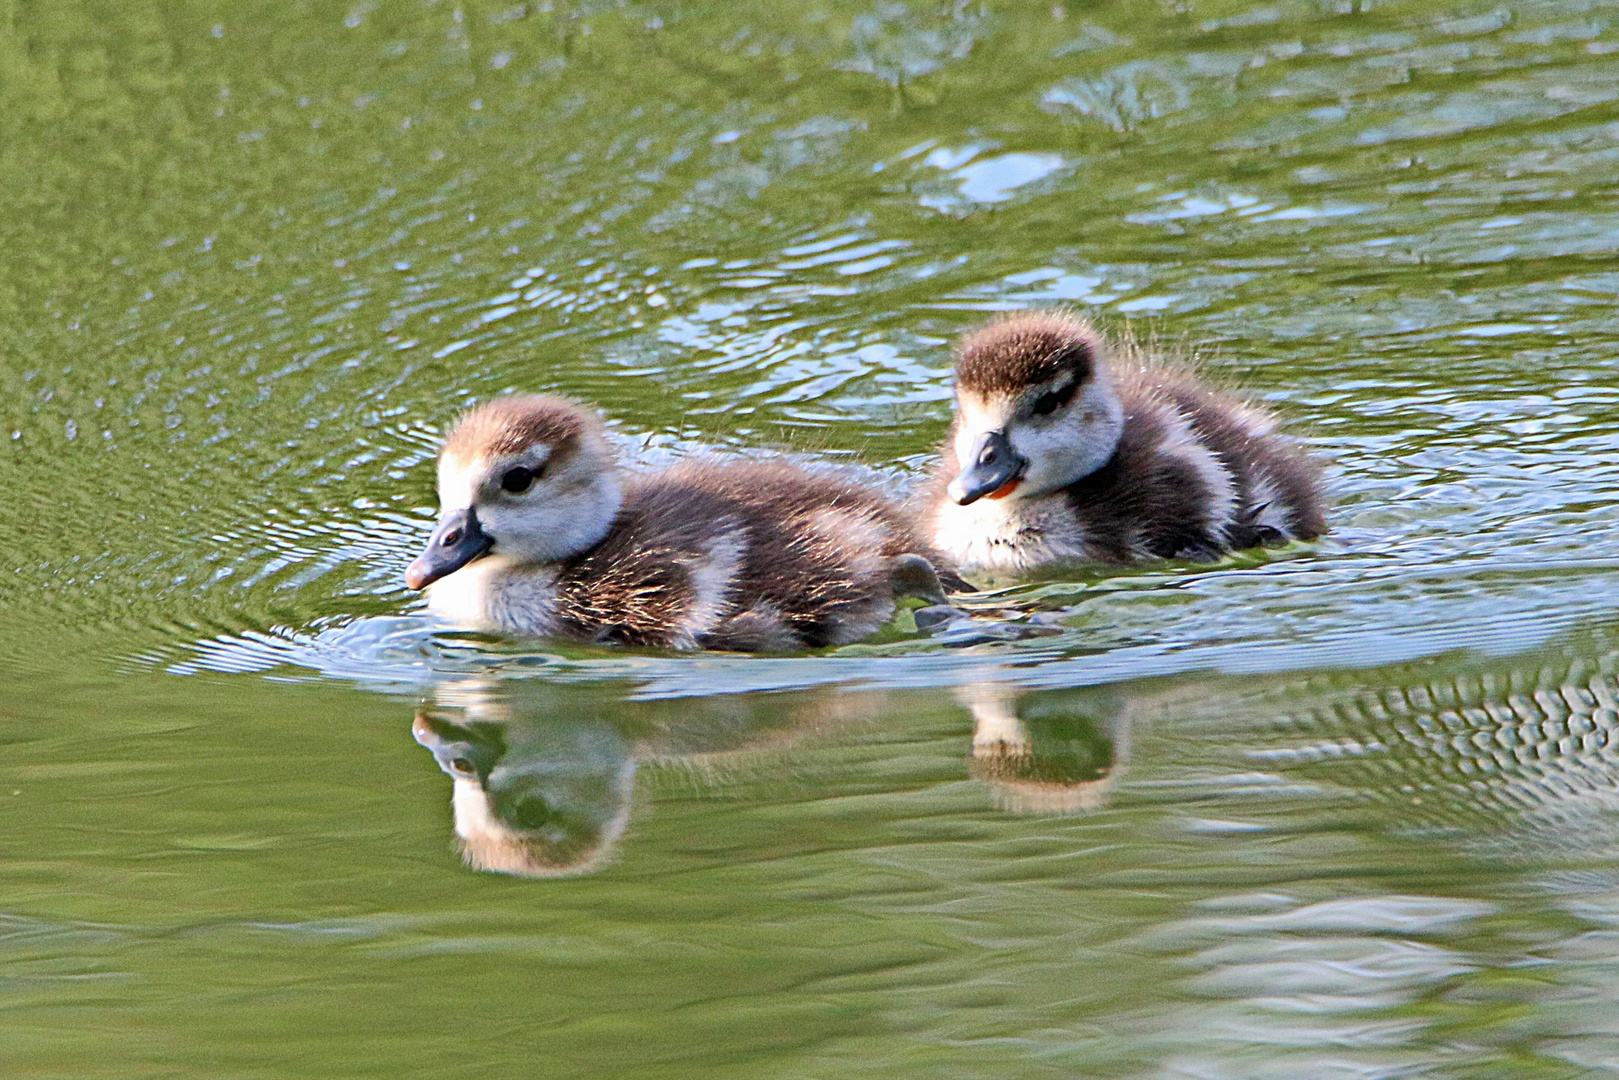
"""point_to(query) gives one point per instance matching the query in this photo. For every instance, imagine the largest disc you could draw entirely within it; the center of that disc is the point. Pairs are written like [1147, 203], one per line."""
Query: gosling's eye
[1050, 401]
[518, 480]
[462, 765]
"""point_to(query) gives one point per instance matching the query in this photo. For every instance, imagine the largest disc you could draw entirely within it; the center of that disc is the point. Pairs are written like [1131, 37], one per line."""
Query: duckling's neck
[576, 521]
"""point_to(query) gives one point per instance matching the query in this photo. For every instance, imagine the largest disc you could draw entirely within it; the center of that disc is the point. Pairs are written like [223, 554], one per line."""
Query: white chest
[1009, 536]
[496, 596]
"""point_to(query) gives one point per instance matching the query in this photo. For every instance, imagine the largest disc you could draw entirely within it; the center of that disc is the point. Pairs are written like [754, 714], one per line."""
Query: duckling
[1063, 450]
[540, 535]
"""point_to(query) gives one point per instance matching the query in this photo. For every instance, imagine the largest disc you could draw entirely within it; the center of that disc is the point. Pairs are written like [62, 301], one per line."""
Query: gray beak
[457, 541]
[994, 465]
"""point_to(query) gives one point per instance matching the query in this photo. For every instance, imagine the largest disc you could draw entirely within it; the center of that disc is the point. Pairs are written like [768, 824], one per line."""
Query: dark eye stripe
[1052, 400]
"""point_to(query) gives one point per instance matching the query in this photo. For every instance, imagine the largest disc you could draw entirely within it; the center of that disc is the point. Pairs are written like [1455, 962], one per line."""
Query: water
[1345, 811]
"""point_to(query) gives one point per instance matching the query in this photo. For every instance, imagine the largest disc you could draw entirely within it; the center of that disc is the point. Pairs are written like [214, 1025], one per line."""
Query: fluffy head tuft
[510, 425]
[1026, 349]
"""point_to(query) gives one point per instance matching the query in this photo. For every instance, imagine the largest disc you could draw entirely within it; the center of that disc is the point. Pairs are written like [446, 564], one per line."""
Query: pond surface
[1349, 810]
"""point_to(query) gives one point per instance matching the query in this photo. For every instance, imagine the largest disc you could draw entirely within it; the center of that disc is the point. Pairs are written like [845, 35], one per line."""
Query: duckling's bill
[458, 540]
[996, 469]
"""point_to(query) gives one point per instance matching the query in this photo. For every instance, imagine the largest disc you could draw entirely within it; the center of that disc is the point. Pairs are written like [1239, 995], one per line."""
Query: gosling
[539, 535]
[1063, 451]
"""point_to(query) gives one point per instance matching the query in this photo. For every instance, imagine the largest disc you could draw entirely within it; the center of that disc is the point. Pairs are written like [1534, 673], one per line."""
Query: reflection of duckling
[536, 800]
[1061, 452]
[537, 535]
[1049, 757]
[545, 773]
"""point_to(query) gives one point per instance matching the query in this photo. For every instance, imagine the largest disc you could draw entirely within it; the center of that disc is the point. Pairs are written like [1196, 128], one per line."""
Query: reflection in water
[545, 772]
[537, 796]
[1045, 753]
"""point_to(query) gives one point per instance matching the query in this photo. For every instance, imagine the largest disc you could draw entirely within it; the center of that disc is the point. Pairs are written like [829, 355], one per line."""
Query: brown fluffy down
[817, 554]
[509, 425]
[1014, 353]
[1143, 496]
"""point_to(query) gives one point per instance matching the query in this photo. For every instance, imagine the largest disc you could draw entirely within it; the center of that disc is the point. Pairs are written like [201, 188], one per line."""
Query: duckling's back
[750, 556]
[1275, 487]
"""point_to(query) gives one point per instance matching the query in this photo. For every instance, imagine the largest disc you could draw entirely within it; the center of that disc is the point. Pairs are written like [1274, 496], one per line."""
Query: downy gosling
[539, 535]
[1065, 450]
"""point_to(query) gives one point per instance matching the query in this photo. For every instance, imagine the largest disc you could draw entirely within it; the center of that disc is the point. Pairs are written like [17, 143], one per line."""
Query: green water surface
[1348, 811]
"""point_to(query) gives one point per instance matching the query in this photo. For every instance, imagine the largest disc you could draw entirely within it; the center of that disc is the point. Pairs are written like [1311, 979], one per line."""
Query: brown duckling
[540, 535]
[1065, 449]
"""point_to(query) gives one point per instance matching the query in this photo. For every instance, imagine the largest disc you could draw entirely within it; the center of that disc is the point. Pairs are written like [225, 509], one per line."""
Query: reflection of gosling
[538, 535]
[1053, 760]
[553, 809]
[1063, 450]
[545, 773]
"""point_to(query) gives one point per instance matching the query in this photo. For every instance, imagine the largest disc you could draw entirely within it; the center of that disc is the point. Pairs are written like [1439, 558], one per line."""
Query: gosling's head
[524, 479]
[1035, 408]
